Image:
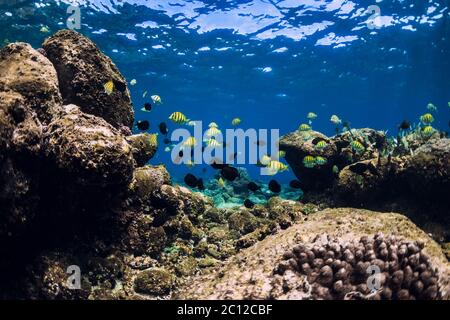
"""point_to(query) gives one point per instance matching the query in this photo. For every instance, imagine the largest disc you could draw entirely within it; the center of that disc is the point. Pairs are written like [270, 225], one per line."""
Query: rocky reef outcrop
[83, 70]
[83, 216]
[328, 257]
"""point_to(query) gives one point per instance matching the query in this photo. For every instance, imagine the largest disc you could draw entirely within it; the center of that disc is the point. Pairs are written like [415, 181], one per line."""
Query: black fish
[249, 203]
[405, 125]
[274, 186]
[229, 173]
[167, 141]
[372, 169]
[217, 164]
[163, 128]
[316, 140]
[191, 180]
[358, 168]
[200, 185]
[295, 184]
[147, 106]
[143, 125]
[253, 186]
[180, 154]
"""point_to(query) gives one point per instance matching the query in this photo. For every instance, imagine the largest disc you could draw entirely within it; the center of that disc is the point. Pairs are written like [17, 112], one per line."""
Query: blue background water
[267, 62]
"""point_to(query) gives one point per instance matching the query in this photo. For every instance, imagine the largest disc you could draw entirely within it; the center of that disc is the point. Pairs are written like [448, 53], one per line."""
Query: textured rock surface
[337, 151]
[27, 72]
[142, 147]
[82, 71]
[250, 274]
[90, 150]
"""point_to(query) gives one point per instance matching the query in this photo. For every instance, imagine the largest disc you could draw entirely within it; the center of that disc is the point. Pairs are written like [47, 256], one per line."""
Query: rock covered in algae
[83, 70]
[89, 149]
[337, 152]
[142, 147]
[27, 72]
[155, 281]
[254, 273]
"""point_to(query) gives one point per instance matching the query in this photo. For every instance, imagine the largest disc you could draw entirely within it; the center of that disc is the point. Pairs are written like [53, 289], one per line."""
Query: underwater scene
[224, 150]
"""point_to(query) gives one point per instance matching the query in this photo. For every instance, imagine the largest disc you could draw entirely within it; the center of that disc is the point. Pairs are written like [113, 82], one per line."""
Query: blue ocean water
[268, 62]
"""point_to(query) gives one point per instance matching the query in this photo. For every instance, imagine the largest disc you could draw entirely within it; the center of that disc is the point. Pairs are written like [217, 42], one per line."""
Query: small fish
[163, 128]
[167, 149]
[221, 182]
[427, 118]
[178, 117]
[236, 121]
[213, 143]
[190, 142]
[405, 125]
[304, 127]
[335, 119]
[311, 116]
[295, 184]
[133, 82]
[253, 186]
[213, 125]
[229, 173]
[191, 123]
[181, 154]
[213, 131]
[428, 130]
[281, 154]
[335, 169]
[200, 185]
[217, 164]
[44, 29]
[143, 125]
[274, 186]
[309, 161]
[166, 141]
[357, 146]
[190, 180]
[147, 107]
[321, 145]
[109, 87]
[153, 139]
[156, 99]
[431, 107]
[321, 160]
[249, 203]
[144, 94]
[358, 168]
[265, 160]
[277, 166]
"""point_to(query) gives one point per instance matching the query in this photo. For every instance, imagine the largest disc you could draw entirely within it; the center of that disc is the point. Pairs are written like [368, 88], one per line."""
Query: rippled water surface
[267, 62]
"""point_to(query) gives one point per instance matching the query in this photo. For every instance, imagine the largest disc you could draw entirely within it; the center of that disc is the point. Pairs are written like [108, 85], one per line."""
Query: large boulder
[326, 257]
[337, 151]
[83, 70]
[88, 149]
[29, 73]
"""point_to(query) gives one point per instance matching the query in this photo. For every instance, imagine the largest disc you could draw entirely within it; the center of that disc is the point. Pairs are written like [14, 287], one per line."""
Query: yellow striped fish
[309, 161]
[156, 99]
[213, 125]
[320, 160]
[427, 118]
[304, 127]
[154, 139]
[281, 154]
[212, 131]
[265, 160]
[277, 166]
[428, 130]
[213, 143]
[109, 87]
[178, 117]
[311, 116]
[321, 145]
[236, 121]
[190, 142]
[221, 182]
[357, 146]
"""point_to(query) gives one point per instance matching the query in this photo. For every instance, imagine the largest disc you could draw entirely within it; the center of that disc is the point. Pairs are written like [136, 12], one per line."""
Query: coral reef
[270, 269]
[76, 192]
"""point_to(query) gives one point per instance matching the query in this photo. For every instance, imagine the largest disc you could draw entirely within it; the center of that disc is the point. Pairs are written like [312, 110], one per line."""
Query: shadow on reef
[75, 190]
